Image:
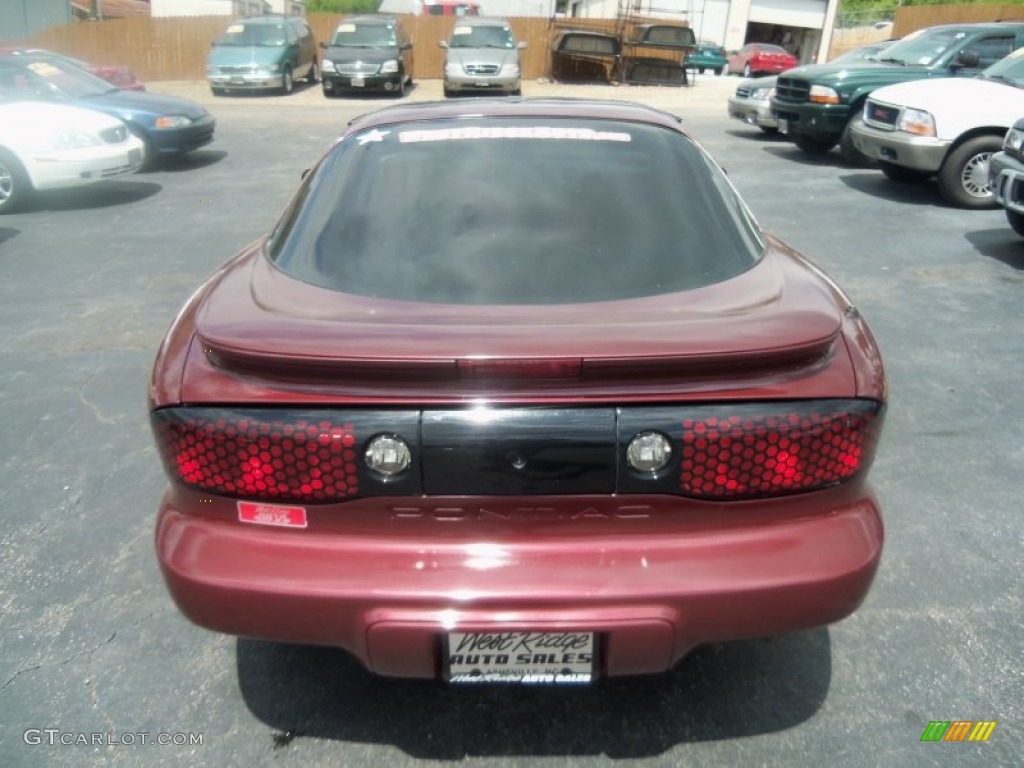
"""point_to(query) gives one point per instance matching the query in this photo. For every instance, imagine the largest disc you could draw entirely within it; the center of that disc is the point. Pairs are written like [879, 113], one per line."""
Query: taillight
[763, 454]
[756, 450]
[289, 454]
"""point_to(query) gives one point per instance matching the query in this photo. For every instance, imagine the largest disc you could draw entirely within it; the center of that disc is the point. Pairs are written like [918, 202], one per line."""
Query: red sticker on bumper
[272, 514]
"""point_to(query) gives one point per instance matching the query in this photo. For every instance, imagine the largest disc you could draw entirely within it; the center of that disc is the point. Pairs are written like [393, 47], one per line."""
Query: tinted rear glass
[516, 211]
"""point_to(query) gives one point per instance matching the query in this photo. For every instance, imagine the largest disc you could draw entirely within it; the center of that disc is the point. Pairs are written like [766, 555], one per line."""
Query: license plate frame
[520, 657]
[358, 82]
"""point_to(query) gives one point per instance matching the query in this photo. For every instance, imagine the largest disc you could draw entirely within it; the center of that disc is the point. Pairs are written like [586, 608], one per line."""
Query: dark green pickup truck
[815, 104]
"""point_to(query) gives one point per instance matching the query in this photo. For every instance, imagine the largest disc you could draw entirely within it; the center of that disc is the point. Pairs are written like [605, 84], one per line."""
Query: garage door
[789, 13]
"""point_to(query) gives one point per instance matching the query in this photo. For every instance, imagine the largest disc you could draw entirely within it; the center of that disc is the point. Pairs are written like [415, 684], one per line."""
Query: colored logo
[958, 730]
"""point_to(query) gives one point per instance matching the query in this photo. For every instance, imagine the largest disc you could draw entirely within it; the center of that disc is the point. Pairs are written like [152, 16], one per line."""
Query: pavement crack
[18, 674]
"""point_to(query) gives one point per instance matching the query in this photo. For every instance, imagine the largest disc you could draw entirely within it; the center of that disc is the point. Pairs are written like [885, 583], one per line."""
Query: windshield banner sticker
[511, 132]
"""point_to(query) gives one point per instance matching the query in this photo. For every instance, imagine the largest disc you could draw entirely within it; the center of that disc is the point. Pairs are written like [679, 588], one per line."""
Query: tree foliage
[342, 6]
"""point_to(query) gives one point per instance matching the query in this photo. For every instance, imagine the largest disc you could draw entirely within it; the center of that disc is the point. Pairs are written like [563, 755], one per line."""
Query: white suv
[947, 127]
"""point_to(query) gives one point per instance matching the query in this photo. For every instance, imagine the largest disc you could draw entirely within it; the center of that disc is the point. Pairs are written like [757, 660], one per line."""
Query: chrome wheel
[974, 177]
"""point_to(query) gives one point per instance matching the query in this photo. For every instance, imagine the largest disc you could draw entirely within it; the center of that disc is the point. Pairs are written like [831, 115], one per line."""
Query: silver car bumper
[752, 112]
[254, 81]
[922, 153]
[499, 82]
[1007, 176]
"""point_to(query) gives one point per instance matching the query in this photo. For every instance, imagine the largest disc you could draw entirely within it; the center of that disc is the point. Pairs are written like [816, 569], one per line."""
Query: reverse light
[822, 94]
[648, 452]
[916, 121]
[173, 121]
[388, 455]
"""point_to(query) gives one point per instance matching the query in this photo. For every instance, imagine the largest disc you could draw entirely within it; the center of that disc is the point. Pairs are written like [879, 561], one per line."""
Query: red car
[116, 74]
[517, 391]
[761, 59]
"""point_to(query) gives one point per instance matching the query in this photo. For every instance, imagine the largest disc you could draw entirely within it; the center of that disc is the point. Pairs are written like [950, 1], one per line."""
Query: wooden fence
[913, 17]
[176, 48]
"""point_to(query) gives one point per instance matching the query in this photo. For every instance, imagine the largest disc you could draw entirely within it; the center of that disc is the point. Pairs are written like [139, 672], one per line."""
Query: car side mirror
[443, 43]
[406, 46]
[521, 45]
[305, 173]
[967, 60]
[323, 45]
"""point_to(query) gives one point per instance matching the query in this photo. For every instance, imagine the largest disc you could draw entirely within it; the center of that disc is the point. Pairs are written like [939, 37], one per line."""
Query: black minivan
[368, 53]
[262, 53]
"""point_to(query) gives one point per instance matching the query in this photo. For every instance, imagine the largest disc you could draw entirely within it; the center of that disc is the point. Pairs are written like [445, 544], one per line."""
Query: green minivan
[262, 53]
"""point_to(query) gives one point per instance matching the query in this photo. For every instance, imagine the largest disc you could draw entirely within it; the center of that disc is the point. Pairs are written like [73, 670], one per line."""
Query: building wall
[23, 18]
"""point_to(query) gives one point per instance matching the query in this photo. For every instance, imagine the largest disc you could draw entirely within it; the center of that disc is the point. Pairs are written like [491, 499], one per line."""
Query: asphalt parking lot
[91, 643]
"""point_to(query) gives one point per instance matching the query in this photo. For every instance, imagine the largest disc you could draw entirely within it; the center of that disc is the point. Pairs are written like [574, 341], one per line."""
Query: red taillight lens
[259, 455]
[788, 449]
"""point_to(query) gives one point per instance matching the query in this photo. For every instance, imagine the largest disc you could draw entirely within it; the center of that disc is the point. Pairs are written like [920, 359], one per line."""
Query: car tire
[812, 145]
[902, 174]
[15, 187]
[217, 91]
[747, 72]
[963, 177]
[848, 150]
[313, 76]
[448, 93]
[1016, 222]
[700, 70]
[401, 85]
[287, 83]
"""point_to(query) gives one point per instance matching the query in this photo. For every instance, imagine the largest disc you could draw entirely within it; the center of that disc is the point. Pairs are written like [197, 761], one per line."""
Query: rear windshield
[515, 211]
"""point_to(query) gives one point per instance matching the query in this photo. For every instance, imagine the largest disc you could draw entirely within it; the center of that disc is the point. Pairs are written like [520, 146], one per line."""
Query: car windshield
[482, 37]
[516, 211]
[365, 36]
[864, 53]
[48, 78]
[923, 50]
[254, 34]
[1009, 70]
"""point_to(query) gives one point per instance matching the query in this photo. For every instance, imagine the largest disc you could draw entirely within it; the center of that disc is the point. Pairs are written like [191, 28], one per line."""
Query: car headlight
[389, 67]
[917, 122]
[173, 121]
[762, 94]
[327, 66]
[1014, 141]
[512, 70]
[75, 139]
[822, 94]
[452, 70]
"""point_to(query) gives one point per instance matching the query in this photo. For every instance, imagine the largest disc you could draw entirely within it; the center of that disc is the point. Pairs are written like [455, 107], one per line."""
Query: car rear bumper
[1007, 175]
[922, 153]
[753, 112]
[652, 591]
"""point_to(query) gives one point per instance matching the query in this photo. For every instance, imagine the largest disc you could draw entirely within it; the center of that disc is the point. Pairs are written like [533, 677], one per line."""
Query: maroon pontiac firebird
[517, 391]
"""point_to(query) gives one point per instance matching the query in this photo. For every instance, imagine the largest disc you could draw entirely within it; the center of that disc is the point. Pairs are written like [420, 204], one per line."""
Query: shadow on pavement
[722, 691]
[877, 184]
[105, 194]
[7, 234]
[1003, 245]
[190, 161]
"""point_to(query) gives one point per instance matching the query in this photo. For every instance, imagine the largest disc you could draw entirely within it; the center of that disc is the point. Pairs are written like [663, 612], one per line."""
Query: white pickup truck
[946, 128]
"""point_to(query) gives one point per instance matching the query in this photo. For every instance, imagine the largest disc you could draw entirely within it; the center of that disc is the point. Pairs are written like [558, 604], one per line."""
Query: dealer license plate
[783, 126]
[528, 658]
[358, 82]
